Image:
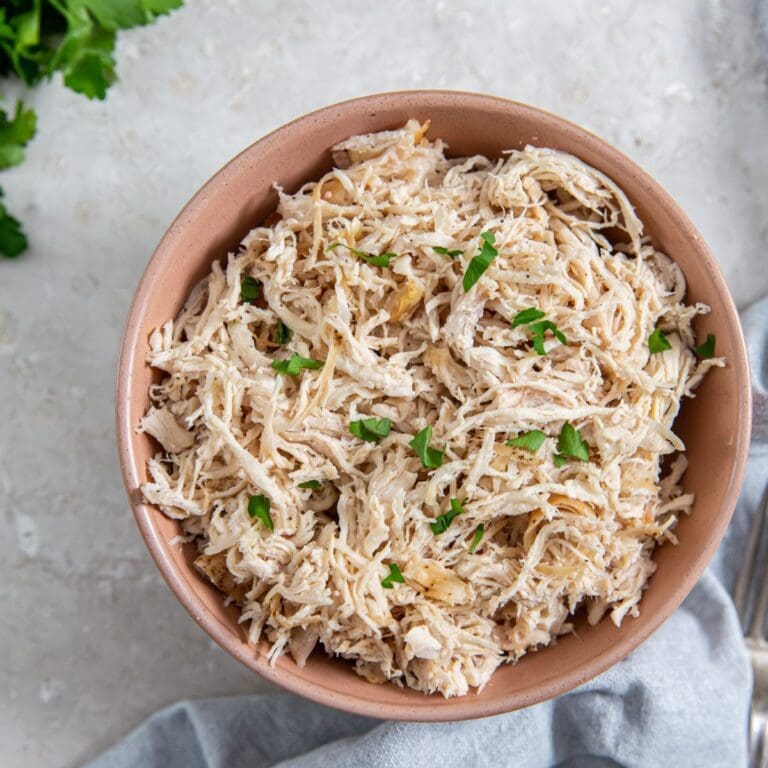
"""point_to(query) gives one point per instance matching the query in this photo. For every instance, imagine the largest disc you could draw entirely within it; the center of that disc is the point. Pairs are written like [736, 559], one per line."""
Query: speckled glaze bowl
[714, 425]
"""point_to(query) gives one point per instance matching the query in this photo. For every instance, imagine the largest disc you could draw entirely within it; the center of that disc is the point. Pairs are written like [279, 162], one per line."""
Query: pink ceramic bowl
[714, 425]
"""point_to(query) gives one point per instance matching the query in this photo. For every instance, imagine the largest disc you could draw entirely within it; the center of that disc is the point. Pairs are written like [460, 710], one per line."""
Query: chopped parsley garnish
[526, 316]
[532, 317]
[371, 430]
[707, 349]
[570, 445]
[431, 458]
[250, 289]
[658, 342]
[477, 538]
[294, 365]
[442, 522]
[531, 441]
[481, 262]
[394, 575]
[375, 260]
[313, 484]
[445, 252]
[283, 334]
[537, 333]
[258, 506]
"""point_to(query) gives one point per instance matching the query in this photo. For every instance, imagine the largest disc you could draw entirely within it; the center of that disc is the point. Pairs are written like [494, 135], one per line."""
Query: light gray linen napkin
[680, 699]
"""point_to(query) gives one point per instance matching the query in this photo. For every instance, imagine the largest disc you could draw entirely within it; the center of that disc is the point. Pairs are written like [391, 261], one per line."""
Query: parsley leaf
[283, 334]
[394, 575]
[258, 506]
[313, 484]
[526, 316]
[15, 134]
[531, 441]
[250, 289]
[294, 365]
[371, 430]
[570, 445]
[431, 458]
[442, 522]
[537, 333]
[445, 252]
[86, 53]
[13, 241]
[481, 262]
[707, 349]
[375, 260]
[658, 342]
[477, 538]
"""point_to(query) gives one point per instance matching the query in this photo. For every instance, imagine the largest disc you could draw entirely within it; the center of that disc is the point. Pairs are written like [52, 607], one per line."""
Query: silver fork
[751, 599]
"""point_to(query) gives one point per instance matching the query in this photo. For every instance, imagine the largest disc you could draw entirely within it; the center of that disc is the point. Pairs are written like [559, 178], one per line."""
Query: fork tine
[747, 575]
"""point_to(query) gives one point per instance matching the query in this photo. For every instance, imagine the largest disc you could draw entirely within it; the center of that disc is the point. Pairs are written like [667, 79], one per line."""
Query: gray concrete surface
[91, 640]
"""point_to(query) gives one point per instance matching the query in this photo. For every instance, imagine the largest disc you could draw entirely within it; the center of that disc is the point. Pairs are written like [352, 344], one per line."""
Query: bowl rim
[466, 707]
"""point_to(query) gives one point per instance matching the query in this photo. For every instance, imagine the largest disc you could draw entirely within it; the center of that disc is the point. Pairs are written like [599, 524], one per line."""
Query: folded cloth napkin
[680, 699]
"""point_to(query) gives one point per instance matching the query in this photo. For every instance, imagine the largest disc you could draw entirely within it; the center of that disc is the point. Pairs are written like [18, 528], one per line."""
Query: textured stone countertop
[91, 639]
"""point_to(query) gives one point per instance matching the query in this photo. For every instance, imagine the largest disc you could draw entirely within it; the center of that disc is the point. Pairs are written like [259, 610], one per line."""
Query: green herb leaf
[431, 458]
[15, 134]
[85, 55]
[13, 241]
[570, 445]
[375, 260]
[250, 289]
[445, 252]
[481, 262]
[477, 538]
[371, 430]
[394, 575]
[531, 441]
[707, 350]
[313, 484]
[258, 506]
[538, 330]
[442, 522]
[294, 365]
[283, 334]
[526, 316]
[657, 342]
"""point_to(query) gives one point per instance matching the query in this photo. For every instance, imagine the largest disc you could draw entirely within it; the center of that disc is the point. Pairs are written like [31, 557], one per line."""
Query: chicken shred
[406, 343]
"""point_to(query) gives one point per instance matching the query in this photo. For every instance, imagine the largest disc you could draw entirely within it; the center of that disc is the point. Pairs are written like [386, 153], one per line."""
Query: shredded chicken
[405, 342]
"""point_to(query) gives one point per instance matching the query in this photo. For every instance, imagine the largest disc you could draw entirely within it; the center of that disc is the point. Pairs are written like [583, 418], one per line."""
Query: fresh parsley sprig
[481, 262]
[75, 37]
[431, 458]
